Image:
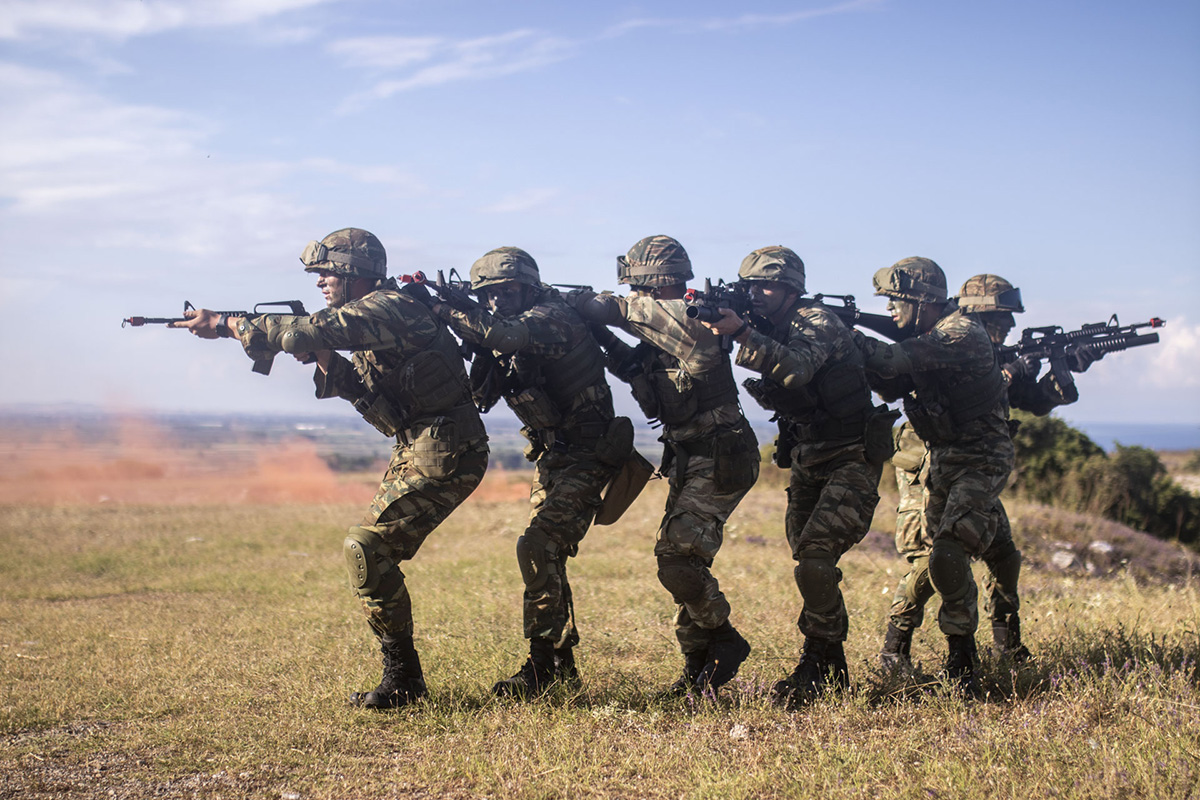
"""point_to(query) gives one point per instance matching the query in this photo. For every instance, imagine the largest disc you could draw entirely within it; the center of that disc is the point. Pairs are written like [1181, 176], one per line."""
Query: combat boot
[693, 665]
[536, 675]
[402, 683]
[822, 666]
[726, 652]
[960, 665]
[565, 670]
[897, 649]
[1006, 635]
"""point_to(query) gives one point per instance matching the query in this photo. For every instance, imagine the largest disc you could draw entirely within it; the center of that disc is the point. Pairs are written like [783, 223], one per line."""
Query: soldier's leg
[1003, 603]
[688, 540]
[407, 508]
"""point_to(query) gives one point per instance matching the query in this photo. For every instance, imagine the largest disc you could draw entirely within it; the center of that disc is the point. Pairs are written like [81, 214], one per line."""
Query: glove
[1081, 356]
[1025, 368]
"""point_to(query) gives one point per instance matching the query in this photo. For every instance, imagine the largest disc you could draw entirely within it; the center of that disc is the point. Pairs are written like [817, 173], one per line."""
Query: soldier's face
[998, 324]
[506, 299]
[904, 313]
[335, 288]
[770, 298]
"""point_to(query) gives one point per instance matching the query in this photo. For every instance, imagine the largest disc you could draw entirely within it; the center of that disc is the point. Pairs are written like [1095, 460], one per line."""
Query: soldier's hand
[1023, 368]
[201, 322]
[1081, 356]
[728, 324]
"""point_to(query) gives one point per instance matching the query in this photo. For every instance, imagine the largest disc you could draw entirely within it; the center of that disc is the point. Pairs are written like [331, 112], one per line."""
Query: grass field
[205, 649]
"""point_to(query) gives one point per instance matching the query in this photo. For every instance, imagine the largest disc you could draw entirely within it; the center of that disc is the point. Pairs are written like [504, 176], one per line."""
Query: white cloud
[743, 22]
[121, 19]
[436, 61]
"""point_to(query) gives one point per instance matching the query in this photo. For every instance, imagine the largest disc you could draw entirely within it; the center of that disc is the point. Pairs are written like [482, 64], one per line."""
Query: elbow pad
[887, 361]
[507, 338]
[789, 373]
[299, 337]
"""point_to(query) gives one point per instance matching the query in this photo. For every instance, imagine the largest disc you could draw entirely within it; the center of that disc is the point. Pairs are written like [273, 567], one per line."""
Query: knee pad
[817, 579]
[361, 548]
[680, 577]
[950, 570]
[536, 556]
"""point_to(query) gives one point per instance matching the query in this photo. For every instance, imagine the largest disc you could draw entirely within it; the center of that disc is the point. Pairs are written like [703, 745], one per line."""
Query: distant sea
[1161, 436]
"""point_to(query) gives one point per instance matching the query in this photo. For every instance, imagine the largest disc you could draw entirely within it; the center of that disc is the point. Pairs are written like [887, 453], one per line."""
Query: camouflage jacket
[552, 368]
[679, 374]
[812, 376]
[404, 373]
[952, 386]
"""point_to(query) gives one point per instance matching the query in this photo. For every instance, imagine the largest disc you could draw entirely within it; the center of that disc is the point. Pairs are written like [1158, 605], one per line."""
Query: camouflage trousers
[1002, 559]
[830, 506]
[698, 506]
[963, 513]
[409, 505]
[565, 495]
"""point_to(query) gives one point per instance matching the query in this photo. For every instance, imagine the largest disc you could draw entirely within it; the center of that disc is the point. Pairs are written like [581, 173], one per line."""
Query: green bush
[1059, 465]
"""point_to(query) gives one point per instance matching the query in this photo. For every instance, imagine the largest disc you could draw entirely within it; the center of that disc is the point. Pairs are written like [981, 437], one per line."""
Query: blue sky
[154, 151]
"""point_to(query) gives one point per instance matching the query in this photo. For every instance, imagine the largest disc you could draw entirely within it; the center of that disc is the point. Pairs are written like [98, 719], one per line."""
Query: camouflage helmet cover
[349, 251]
[984, 293]
[774, 263]
[654, 261]
[916, 279]
[502, 265]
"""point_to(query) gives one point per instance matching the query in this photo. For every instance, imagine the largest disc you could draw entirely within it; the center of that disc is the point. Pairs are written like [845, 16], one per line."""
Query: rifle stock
[850, 314]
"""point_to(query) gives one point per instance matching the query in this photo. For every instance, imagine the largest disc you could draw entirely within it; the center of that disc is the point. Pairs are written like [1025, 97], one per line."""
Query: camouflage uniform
[955, 397]
[406, 377]
[550, 371]
[813, 380]
[993, 300]
[681, 376]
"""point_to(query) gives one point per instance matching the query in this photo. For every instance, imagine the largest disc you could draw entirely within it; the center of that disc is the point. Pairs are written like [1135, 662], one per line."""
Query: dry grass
[206, 651]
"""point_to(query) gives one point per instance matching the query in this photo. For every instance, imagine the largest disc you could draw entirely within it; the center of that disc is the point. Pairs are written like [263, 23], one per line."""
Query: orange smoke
[137, 462]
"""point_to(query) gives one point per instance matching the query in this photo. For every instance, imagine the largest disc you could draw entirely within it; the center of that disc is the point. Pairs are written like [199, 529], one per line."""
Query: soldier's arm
[665, 324]
[793, 362]
[536, 330]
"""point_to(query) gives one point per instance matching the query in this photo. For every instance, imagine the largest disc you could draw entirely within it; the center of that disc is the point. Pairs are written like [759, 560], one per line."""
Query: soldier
[682, 377]
[813, 379]
[993, 300]
[406, 378]
[955, 397]
[539, 355]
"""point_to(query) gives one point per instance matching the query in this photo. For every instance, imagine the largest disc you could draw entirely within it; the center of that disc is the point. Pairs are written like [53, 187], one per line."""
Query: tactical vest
[542, 392]
[413, 385]
[942, 406]
[667, 393]
[833, 405]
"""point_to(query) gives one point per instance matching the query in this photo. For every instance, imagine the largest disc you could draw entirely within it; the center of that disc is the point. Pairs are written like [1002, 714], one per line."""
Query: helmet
[775, 263]
[918, 280]
[654, 261]
[502, 265]
[984, 293]
[349, 251]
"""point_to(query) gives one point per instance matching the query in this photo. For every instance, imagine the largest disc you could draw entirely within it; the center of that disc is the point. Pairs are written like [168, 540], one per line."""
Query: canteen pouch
[616, 446]
[735, 460]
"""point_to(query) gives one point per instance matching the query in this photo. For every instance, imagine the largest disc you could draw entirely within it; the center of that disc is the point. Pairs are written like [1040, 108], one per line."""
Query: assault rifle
[263, 365]
[454, 292]
[850, 314]
[1052, 343]
[706, 305]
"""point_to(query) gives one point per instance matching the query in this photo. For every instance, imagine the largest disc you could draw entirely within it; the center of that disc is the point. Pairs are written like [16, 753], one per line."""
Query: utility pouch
[877, 439]
[435, 450]
[931, 422]
[615, 447]
[785, 443]
[735, 460]
[379, 412]
[624, 488]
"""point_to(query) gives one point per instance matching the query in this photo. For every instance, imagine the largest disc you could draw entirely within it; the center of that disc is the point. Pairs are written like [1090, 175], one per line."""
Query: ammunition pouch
[436, 449]
[785, 443]
[615, 447]
[940, 421]
[735, 460]
[878, 443]
[378, 411]
[930, 421]
[534, 408]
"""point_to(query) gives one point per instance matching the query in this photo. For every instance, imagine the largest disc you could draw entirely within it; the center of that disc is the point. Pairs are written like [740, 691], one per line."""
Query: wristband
[223, 327]
[738, 333]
